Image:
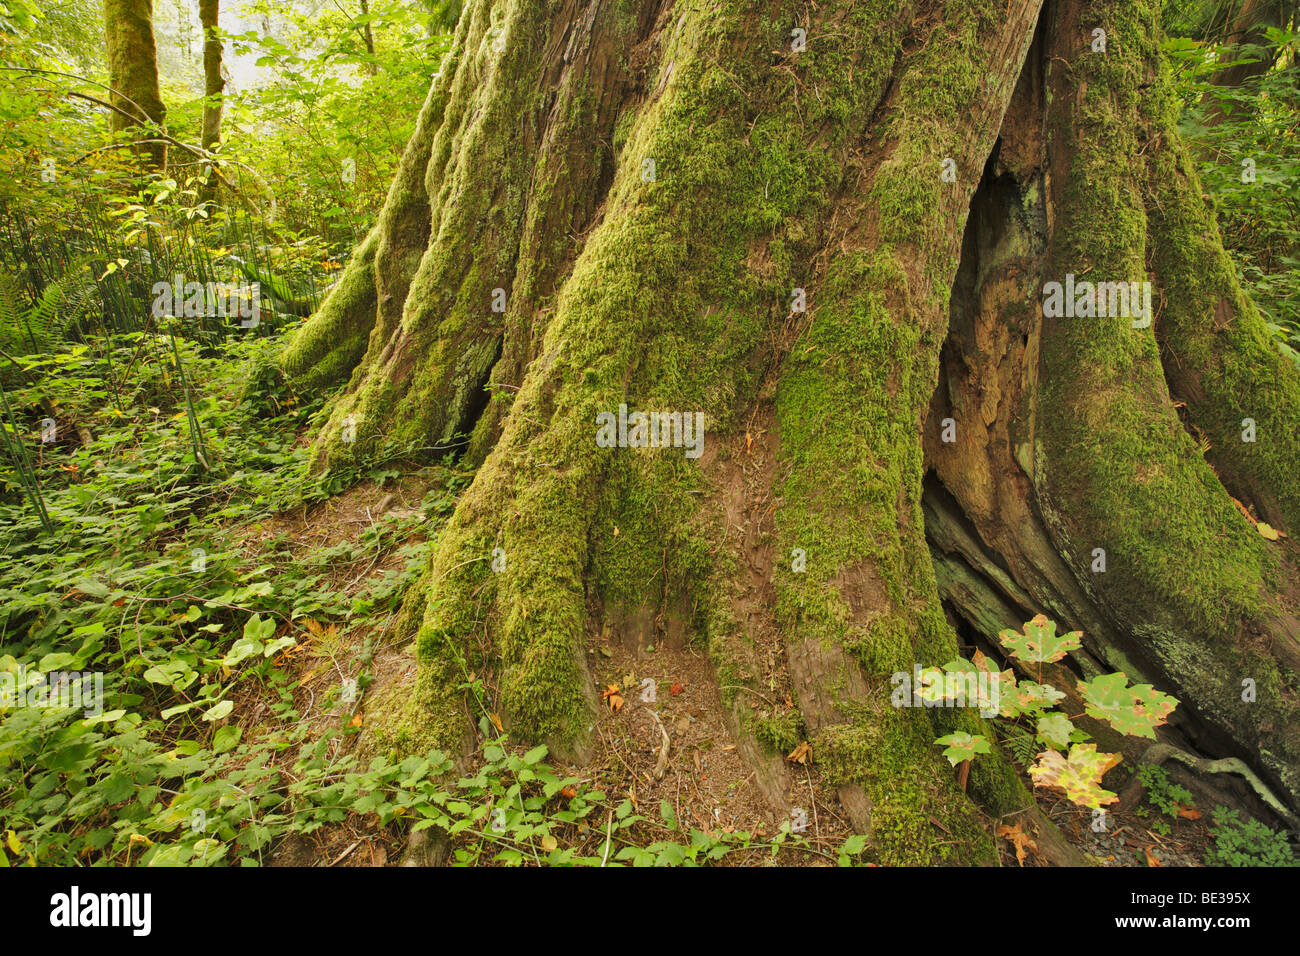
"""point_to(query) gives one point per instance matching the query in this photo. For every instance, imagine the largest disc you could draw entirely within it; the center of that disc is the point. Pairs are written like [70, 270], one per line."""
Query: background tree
[133, 72]
[213, 80]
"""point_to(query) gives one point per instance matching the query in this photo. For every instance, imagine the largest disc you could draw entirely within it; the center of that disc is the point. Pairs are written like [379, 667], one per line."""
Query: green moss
[892, 759]
[1116, 453]
[404, 719]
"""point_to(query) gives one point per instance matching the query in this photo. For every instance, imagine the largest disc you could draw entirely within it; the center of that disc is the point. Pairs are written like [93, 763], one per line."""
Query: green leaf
[279, 644]
[961, 746]
[171, 712]
[669, 817]
[1030, 698]
[1040, 644]
[257, 629]
[56, 661]
[1054, 730]
[226, 738]
[241, 649]
[1136, 710]
[92, 587]
[854, 844]
[219, 710]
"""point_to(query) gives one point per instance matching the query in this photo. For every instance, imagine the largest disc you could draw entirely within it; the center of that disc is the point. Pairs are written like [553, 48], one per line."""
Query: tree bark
[133, 73]
[213, 82]
[827, 231]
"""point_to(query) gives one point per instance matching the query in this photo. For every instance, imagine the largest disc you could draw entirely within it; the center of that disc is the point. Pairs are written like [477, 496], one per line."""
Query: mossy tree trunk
[828, 231]
[133, 73]
[213, 81]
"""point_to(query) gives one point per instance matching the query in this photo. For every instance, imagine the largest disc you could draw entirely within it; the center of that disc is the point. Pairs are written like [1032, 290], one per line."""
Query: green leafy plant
[1162, 795]
[1065, 760]
[1248, 843]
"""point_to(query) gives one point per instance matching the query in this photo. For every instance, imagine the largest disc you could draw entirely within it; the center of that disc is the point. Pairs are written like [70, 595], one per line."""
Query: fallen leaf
[612, 696]
[1079, 776]
[1189, 813]
[569, 792]
[1151, 860]
[800, 754]
[548, 843]
[356, 720]
[1020, 840]
[1267, 531]
[676, 689]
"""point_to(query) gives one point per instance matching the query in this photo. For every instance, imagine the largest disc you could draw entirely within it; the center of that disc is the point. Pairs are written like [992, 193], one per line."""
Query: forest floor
[663, 738]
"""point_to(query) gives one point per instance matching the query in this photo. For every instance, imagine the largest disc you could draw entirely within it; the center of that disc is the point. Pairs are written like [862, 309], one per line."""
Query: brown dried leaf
[1020, 840]
[800, 754]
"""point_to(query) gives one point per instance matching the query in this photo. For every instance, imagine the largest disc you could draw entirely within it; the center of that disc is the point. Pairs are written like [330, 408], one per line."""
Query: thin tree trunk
[368, 37]
[133, 72]
[213, 82]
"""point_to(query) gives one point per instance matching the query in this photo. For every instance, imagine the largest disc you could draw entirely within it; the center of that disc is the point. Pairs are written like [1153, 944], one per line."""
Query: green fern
[1022, 746]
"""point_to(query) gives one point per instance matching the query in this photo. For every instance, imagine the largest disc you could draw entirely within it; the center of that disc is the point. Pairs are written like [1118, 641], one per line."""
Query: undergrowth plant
[1246, 844]
[1065, 760]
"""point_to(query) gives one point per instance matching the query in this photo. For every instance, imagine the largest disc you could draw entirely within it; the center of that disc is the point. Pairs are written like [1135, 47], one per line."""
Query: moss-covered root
[323, 351]
[1189, 582]
[1218, 354]
[516, 169]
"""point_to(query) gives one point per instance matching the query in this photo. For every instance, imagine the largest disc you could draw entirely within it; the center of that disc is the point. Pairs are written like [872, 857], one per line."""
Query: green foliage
[961, 746]
[1135, 710]
[1246, 844]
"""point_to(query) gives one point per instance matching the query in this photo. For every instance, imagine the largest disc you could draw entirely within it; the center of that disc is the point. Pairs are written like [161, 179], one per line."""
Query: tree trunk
[133, 73]
[213, 82]
[828, 231]
[368, 38]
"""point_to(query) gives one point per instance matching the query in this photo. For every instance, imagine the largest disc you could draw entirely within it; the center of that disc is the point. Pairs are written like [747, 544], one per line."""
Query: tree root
[1157, 754]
